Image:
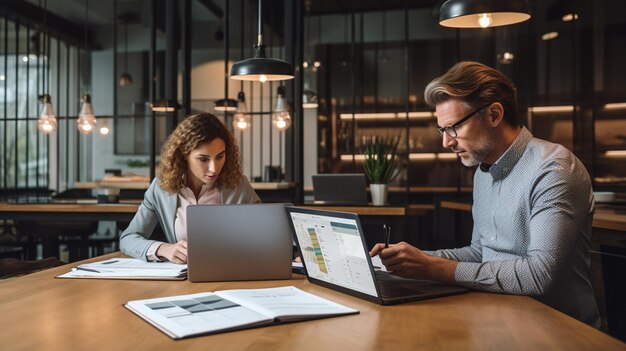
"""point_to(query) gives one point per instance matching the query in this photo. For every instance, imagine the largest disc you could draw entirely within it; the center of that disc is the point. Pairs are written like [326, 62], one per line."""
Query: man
[533, 202]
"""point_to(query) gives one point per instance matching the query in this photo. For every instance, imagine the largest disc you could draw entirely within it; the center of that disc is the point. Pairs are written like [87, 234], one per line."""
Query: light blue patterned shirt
[532, 215]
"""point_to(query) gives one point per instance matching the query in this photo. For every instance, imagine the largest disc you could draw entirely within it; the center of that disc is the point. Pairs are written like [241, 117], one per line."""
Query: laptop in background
[238, 242]
[334, 255]
[341, 188]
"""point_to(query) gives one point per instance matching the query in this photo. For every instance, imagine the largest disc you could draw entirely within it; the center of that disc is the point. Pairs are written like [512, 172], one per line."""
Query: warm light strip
[164, 109]
[422, 156]
[432, 156]
[615, 153]
[349, 157]
[539, 109]
[418, 114]
[386, 115]
[368, 116]
[615, 106]
[447, 155]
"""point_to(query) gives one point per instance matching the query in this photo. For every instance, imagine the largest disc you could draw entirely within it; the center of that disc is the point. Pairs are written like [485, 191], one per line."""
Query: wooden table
[50, 220]
[361, 210]
[68, 211]
[38, 312]
[605, 218]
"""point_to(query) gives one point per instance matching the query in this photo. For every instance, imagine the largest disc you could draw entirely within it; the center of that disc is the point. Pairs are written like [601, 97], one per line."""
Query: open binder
[205, 313]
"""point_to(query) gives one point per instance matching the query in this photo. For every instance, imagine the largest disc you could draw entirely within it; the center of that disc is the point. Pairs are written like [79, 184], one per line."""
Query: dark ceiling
[325, 7]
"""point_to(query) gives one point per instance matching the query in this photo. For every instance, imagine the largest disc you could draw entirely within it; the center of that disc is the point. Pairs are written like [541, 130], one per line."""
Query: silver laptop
[341, 188]
[334, 255]
[238, 242]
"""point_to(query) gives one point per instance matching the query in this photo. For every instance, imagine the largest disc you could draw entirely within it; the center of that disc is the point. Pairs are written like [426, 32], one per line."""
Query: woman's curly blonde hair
[194, 131]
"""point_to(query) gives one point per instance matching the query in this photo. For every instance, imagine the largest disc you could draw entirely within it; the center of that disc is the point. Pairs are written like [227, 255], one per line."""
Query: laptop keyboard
[391, 286]
[393, 290]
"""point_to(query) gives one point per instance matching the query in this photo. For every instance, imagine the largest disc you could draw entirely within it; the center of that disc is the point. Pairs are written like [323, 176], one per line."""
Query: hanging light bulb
[484, 20]
[281, 119]
[47, 122]
[86, 122]
[104, 127]
[506, 58]
[241, 119]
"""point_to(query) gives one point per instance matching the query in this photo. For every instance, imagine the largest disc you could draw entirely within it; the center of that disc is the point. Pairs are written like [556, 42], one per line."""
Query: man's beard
[477, 156]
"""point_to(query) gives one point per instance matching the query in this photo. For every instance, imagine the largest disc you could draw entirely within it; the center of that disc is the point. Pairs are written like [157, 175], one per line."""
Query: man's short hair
[477, 85]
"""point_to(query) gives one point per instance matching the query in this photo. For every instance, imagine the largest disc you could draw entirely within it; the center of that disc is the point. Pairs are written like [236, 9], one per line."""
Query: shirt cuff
[475, 275]
[151, 253]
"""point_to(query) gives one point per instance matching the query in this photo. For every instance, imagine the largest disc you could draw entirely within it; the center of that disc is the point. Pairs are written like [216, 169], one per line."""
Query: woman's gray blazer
[160, 206]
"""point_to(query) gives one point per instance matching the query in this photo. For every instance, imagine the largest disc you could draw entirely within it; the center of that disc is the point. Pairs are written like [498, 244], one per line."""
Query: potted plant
[380, 165]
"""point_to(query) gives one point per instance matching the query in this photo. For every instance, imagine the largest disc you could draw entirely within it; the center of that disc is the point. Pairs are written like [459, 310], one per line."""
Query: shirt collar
[203, 189]
[508, 160]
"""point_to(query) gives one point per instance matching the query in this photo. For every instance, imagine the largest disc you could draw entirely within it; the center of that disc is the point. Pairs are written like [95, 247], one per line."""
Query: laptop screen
[333, 251]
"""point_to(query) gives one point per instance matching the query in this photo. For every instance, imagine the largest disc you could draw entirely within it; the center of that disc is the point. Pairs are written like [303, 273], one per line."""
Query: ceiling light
[261, 68]
[483, 13]
[165, 106]
[549, 35]
[222, 105]
[569, 17]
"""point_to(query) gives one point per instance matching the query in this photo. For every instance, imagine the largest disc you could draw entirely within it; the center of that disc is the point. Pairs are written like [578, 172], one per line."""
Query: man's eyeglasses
[451, 130]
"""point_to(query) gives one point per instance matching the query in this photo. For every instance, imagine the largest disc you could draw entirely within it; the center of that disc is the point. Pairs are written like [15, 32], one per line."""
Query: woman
[199, 165]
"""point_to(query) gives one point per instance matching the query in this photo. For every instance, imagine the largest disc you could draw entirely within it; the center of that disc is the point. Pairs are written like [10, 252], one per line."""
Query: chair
[11, 251]
[12, 267]
[53, 233]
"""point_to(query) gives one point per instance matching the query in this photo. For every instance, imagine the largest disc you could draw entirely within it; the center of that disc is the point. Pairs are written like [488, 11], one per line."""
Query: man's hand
[408, 261]
[176, 253]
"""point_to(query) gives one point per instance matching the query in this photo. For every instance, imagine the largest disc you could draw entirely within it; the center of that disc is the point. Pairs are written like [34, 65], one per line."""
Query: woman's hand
[176, 253]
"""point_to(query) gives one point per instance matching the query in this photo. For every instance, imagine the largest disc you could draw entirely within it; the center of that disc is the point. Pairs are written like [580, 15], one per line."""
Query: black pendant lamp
[229, 105]
[164, 106]
[483, 13]
[261, 68]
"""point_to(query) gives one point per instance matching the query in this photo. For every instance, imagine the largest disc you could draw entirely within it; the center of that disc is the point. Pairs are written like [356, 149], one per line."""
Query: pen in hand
[387, 235]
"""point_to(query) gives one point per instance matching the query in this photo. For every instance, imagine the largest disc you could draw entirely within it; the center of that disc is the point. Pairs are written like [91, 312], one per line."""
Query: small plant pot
[379, 194]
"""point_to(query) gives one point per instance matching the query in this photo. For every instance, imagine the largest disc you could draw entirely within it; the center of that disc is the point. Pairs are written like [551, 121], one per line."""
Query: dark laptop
[238, 242]
[340, 189]
[334, 255]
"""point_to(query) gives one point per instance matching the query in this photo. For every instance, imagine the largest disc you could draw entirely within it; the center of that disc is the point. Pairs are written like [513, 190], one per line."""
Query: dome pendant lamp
[483, 13]
[261, 68]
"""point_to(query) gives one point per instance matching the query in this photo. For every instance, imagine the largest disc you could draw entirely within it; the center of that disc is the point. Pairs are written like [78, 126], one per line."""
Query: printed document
[128, 268]
[214, 312]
